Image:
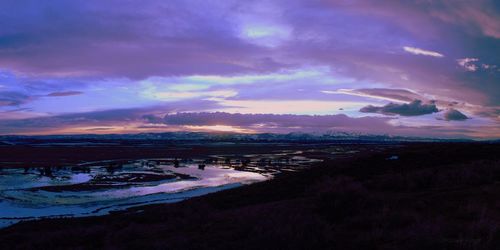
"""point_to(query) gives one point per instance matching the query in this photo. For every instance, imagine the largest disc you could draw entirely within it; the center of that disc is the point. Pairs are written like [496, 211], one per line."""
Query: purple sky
[418, 68]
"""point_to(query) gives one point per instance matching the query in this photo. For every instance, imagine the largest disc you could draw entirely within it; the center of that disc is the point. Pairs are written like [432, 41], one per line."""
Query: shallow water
[22, 194]
[97, 188]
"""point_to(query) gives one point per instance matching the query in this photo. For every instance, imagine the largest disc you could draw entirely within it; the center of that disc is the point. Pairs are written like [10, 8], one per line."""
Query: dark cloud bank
[273, 120]
[256, 122]
[454, 115]
[414, 108]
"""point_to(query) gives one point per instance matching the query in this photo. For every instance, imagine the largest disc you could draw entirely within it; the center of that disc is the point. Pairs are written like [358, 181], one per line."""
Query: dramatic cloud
[424, 52]
[413, 108]
[302, 57]
[454, 115]
[95, 38]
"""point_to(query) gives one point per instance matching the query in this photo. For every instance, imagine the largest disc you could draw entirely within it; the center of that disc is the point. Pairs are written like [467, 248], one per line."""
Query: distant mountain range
[229, 137]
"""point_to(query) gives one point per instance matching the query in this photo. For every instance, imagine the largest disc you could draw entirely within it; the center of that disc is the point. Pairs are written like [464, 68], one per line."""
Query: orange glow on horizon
[219, 128]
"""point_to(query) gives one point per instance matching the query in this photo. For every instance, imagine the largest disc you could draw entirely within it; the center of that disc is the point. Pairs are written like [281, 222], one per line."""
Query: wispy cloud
[395, 95]
[468, 63]
[11, 98]
[65, 93]
[418, 51]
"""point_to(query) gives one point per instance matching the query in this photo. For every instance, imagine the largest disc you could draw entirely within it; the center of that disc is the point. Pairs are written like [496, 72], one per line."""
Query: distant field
[62, 153]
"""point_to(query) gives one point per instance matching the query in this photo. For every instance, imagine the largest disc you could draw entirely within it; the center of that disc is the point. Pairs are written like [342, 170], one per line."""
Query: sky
[411, 68]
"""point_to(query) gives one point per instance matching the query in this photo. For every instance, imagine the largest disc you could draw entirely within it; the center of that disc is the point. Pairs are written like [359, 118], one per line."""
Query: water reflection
[99, 187]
